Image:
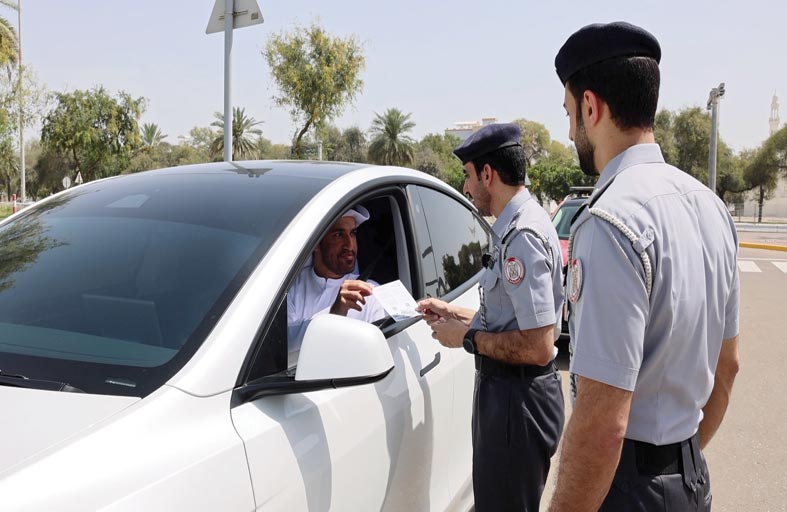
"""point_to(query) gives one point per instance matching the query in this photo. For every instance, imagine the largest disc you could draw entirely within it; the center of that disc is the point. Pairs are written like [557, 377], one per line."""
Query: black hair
[510, 163]
[628, 85]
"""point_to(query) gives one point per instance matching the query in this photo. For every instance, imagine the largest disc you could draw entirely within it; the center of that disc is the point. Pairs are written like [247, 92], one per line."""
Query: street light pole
[229, 16]
[713, 105]
[21, 105]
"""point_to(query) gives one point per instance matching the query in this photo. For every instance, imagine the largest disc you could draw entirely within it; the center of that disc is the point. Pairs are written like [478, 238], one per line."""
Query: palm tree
[390, 143]
[9, 40]
[243, 146]
[9, 46]
[151, 135]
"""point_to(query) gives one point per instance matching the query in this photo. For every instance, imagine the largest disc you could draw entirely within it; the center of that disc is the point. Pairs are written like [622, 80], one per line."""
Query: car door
[366, 447]
[459, 238]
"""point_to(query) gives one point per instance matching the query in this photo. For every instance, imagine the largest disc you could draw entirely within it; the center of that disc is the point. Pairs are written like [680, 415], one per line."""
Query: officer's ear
[591, 108]
[486, 174]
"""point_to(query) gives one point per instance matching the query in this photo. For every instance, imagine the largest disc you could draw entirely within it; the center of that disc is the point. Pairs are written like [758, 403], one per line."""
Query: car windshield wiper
[20, 381]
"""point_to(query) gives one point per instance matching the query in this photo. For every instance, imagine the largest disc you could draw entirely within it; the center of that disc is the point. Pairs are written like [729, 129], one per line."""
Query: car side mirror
[336, 352]
[337, 347]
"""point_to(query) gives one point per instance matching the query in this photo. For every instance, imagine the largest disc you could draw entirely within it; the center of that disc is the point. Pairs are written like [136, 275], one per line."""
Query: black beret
[598, 42]
[487, 139]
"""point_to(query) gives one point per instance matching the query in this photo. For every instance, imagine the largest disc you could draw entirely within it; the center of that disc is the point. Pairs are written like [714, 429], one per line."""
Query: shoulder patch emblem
[514, 270]
[575, 280]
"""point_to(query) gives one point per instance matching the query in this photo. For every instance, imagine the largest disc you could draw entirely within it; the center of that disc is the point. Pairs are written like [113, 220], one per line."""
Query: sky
[441, 61]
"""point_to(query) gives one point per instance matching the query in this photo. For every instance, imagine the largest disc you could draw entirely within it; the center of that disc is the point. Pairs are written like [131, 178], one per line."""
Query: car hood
[35, 421]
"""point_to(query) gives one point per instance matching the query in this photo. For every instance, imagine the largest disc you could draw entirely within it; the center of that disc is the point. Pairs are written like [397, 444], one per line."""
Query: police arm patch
[514, 270]
[575, 280]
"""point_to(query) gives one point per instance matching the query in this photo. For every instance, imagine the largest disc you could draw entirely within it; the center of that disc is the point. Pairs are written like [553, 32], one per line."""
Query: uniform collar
[638, 154]
[509, 212]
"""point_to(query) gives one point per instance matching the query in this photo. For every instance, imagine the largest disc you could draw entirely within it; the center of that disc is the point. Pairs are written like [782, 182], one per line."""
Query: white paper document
[396, 300]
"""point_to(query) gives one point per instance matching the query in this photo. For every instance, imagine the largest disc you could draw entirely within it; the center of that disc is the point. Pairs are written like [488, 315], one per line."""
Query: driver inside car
[330, 282]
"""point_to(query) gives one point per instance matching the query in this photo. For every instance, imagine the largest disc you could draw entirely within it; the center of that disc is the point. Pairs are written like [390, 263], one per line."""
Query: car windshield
[562, 219]
[114, 285]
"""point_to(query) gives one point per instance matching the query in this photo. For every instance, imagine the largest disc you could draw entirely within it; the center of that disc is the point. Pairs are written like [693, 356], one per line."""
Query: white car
[143, 345]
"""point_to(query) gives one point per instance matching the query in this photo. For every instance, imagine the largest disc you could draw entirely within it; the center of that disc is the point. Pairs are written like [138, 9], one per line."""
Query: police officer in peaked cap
[518, 402]
[652, 289]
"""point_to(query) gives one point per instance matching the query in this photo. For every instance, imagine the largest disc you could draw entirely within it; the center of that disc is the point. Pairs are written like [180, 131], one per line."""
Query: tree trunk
[762, 200]
[297, 146]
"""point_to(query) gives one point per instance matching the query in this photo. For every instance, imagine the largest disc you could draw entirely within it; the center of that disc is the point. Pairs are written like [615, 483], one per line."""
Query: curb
[768, 247]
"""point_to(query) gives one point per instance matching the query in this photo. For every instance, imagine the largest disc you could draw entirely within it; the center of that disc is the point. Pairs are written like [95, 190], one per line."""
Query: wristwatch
[469, 341]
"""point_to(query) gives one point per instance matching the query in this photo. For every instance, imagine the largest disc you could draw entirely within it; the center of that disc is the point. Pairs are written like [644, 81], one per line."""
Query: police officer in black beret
[518, 402]
[652, 289]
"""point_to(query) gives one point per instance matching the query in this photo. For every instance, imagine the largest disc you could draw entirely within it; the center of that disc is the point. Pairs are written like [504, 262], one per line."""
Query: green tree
[767, 165]
[555, 173]
[9, 45]
[266, 150]
[663, 132]
[685, 141]
[243, 127]
[151, 135]
[355, 145]
[9, 165]
[100, 133]
[535, 139]
[317, 75]
[391, 144]
[435, 155]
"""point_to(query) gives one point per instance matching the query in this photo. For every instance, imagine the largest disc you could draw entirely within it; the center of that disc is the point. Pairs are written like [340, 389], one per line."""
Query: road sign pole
[229, 15]
[713, 105]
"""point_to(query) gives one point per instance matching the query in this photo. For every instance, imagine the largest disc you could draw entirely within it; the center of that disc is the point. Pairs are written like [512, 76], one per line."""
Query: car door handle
[426, 369]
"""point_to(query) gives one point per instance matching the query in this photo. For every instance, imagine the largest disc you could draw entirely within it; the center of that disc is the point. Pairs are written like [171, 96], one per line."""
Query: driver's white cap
[359, 213]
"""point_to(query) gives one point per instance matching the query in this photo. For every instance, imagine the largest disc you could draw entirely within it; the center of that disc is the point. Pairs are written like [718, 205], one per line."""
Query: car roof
[297, 169]
[575, 200]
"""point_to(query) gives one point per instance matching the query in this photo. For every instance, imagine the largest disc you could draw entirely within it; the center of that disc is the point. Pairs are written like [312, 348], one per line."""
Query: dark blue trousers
[517, 423]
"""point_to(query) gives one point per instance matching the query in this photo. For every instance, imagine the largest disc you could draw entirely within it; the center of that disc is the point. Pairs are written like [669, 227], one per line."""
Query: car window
[308, 294]
[113, 286]
[562, 219]
[423, 244]
[458, 237]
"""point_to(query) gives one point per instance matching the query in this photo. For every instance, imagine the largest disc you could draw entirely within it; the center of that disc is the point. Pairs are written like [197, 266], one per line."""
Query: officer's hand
[434, 309]
[351, 296]
[449, 332]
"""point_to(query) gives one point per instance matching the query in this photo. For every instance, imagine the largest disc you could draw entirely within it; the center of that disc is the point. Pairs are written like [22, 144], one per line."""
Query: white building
[464, 129]
[776, 207]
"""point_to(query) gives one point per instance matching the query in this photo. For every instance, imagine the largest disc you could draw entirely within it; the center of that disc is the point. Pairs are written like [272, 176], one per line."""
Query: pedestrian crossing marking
[781, 265]
[748, 266]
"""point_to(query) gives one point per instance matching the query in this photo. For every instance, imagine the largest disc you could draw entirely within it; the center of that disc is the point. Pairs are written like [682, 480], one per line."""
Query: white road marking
[748, 266]
[781, 266]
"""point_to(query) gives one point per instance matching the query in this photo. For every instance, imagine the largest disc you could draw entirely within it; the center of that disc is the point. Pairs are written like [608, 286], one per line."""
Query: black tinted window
[112, 287]
[458, 238]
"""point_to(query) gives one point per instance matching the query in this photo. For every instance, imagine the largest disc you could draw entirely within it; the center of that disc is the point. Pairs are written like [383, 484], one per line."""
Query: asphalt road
[748, 455]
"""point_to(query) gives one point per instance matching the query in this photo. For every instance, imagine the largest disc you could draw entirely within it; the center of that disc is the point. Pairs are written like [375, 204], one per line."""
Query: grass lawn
[5, 210]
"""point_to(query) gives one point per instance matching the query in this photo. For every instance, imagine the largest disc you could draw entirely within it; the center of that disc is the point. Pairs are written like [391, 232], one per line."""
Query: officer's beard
[585, 149]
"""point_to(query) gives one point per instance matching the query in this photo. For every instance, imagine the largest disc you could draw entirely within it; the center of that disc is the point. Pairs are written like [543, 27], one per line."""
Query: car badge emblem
[575, 280]
[514, 270]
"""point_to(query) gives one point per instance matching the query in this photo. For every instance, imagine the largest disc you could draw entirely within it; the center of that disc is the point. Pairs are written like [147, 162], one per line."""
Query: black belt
[666, 459]
[489, 366]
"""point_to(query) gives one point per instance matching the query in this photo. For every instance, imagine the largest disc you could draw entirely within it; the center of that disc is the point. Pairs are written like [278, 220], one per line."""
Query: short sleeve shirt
[522, 290]
[664, 346]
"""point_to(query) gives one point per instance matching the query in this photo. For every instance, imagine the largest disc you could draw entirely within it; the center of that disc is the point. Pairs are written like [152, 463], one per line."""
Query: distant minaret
[774, 120]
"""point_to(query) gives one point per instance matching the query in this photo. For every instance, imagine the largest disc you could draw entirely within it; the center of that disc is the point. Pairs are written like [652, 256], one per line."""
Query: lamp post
[713, 105]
